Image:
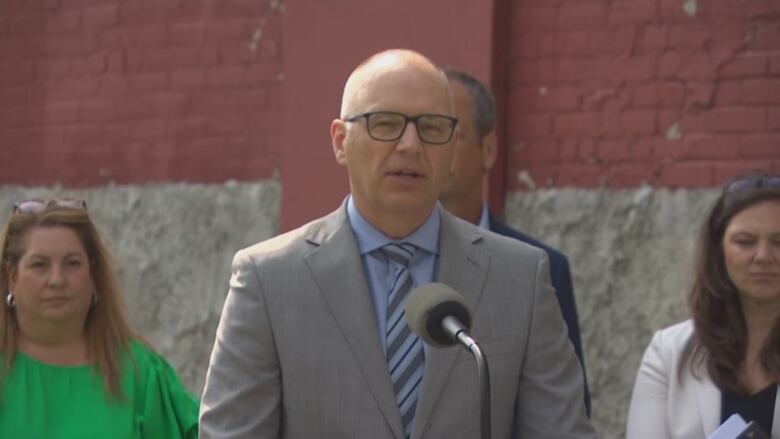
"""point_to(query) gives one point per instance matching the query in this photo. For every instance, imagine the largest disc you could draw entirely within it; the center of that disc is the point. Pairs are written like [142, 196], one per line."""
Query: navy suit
[561, 280]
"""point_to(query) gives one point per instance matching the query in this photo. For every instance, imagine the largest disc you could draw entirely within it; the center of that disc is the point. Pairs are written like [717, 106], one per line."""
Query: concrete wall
[631, 254]
[174, 245]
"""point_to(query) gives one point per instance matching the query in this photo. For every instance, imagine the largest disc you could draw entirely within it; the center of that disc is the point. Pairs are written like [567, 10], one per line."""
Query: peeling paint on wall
[674, 132]
[525, 178]
[690, 7]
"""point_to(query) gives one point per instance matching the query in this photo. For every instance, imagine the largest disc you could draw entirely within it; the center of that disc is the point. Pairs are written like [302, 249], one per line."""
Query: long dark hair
[720, 340]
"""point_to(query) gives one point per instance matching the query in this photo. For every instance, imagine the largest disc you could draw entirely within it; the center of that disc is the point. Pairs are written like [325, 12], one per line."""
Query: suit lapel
[463, 267]
[708, 397]
[338, 270]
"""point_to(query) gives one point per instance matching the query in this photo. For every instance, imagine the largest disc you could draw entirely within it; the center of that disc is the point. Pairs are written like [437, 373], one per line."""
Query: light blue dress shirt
[380, 273]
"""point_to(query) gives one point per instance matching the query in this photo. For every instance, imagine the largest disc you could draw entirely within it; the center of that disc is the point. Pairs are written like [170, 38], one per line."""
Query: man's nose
[410, 139]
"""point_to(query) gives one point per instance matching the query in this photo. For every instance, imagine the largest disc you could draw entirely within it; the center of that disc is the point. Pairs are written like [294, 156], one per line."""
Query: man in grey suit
[313, 341]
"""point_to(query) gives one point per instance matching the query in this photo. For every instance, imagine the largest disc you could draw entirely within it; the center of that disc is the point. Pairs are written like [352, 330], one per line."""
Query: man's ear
[489, 151]
[338, 133]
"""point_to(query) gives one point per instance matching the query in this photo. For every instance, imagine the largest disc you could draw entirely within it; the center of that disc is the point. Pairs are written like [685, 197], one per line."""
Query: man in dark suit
[474, 156]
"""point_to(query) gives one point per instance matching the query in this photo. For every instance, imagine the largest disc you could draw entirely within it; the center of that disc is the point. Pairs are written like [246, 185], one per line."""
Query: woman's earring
[94, 298]
[10, 300]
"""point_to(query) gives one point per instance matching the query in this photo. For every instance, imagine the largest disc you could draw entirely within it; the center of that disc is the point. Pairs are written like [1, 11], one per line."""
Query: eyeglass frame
[407, 119]
[63, 203]
[743, 184]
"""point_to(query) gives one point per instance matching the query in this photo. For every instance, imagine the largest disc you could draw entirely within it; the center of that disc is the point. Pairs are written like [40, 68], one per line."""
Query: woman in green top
[70, 366]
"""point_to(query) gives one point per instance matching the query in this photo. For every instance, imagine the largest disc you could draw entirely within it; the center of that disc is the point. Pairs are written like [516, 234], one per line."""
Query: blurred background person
[473, 156]
[71, 365]
[726, 358]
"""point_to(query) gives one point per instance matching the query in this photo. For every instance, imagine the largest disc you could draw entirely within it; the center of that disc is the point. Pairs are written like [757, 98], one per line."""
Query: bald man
[313, 341]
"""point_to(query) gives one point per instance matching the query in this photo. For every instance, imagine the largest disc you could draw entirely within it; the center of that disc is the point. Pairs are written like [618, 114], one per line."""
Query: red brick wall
[673, 93]
[93, 92]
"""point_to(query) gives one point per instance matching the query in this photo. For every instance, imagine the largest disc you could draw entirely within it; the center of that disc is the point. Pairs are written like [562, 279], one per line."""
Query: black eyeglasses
[747, 183]
[35, 206]
[387, 126]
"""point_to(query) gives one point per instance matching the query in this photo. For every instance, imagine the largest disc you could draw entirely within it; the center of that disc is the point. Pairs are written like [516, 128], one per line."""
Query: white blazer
[667, 404]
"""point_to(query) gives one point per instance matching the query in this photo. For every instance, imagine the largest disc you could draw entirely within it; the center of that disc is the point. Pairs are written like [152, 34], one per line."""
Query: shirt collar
[484, 219]
[426, 237]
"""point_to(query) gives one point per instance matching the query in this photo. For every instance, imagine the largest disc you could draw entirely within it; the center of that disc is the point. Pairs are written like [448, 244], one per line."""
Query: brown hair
[107, 332]
[721, 334]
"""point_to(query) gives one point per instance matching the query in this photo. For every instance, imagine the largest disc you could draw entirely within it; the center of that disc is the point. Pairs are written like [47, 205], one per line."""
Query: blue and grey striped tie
[404, 348]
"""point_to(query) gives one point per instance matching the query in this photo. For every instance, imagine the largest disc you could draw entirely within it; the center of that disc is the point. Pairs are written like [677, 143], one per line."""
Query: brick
[90, 65]
[229, 124]
[578, 124]
[612, 42]
[61, 112]
[229, 30]
[598, 99]
[579, 175]
[699, 94]
[668, 150]
[586, 15]
[147, 130]
[624, 175]
[629, 13]
[728, 93]
[572, 70]
[62, 21]
[236, 53]
[526, 46]
[773, 119]
[99, 17]
[210, 102]
[671, 95]
[17, 73]
[116, 132]
[669, 65]
[639, 122]
[587, 149]
[189, 127]
[537, 152]
[774, 64]
[761, 91]
[568, 149]
[147, 82]
[146, 37]
[740, 119]
[52, 68]
[71, 89]
[612, 151]
[533, 72]
[225, 76]
[745, 66]
[187, 79]
[97, 110]
[653, 38]
[134, 107]
[186, 33]
[530, 125]
[558, 98]
[689, 37]
[710, 147]
[698, 66]
[573, 43]
[170, 103]
[12, 94]
[534, 18]
[264, 74]
[70, 45]
[113, 85]
[767, 38]
[111, 39]
[687, 174]
[28, 24]
[642, 148]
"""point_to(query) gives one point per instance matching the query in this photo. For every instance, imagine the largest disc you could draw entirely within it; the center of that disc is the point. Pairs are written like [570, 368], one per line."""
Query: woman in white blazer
[726, 358]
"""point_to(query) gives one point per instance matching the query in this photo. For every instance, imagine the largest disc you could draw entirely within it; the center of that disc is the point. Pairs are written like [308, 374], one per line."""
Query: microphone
[441, 317]
[437, 314]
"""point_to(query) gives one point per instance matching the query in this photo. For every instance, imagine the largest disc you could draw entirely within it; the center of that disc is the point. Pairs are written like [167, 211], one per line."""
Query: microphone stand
[463, 337]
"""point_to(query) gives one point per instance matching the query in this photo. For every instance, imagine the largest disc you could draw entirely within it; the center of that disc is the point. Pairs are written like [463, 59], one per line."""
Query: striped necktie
[404, 348]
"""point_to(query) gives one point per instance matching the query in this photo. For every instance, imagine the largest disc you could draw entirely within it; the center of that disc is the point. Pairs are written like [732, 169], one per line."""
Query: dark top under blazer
[561, 280]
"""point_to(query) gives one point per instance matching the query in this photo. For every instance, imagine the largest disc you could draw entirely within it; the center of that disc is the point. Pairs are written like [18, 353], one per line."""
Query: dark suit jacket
[561, 280]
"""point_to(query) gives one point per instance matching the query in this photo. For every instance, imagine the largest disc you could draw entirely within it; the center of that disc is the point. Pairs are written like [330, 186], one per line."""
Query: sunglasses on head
[745, 184]
[35, 206]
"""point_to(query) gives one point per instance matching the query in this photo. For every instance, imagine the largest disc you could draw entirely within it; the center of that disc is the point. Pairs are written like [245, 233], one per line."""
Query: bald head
[369, 75]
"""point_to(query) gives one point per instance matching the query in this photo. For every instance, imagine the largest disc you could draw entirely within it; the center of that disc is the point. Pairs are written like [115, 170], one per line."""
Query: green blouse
[62, 402]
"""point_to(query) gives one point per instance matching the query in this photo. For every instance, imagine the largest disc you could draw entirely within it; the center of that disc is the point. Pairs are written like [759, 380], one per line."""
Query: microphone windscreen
[428, 305]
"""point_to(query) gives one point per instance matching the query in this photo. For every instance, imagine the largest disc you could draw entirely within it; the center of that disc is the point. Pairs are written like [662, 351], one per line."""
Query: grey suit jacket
[298, 354]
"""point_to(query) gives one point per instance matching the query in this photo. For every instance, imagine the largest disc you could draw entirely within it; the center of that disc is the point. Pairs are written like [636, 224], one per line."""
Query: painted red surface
[617, 94]
[98, 92]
